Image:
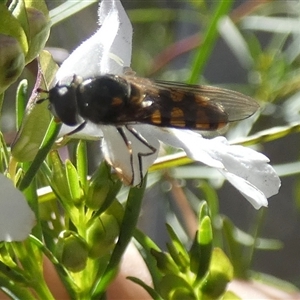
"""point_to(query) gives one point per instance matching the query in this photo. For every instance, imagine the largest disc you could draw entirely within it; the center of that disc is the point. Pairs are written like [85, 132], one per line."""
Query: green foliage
[83, 228]
[24, 30]
[201, 272]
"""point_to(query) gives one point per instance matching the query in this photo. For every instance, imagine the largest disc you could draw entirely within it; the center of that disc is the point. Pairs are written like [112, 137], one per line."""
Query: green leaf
[177, 250]
[14, 284]
[149, 15]
[201, 250]
[211, 197]
[18, 10]
[67, 9]
[152, 292]
[4, 154]
[64, 276]
[75, 189]
[34, 19]
[32, 198]
[236, 42]
[39, 5]
[58, 174]
[44, 149]
[37, 116]
[241, 245]
[82, 163]
[147, 244]
[14, 274]
[131, 214]
[205, 231]
[209, 39]
[59, 184]
[273, 281]
[203, 211]
[10, 26]
[235, 249]
[102, 189]
[21, 101]
[165, 263]
[1, 101]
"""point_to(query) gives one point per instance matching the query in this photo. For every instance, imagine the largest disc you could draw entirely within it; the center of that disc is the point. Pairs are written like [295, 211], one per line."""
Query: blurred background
[257, 53]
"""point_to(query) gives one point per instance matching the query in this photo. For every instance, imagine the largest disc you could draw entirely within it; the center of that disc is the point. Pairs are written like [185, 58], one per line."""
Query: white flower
[109, 51]
[16, 217]
[246, 169]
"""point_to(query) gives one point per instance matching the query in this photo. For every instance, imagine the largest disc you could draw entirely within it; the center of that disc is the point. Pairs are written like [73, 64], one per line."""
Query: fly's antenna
[40, 90]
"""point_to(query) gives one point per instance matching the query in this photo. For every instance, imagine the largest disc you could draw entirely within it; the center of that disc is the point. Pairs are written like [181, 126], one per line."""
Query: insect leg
[139, 137]
[129, 148]
[77, 129]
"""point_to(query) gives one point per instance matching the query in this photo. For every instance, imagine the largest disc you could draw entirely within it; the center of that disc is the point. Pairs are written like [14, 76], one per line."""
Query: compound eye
[63, 104]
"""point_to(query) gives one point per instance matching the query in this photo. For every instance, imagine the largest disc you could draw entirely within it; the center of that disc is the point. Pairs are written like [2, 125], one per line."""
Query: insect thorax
[102, 99]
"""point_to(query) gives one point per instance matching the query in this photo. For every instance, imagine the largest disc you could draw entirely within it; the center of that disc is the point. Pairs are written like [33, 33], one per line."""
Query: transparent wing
[237, 106]
[172, 104]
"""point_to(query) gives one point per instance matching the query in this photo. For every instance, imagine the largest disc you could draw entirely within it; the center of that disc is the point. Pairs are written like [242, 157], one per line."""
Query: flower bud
[12, 61]
[175, 287]
[220, 274]
[102, 235]
[72, 251]
[116, 209]
[101, 188]
[97, 195]
[182, 293]
[13, 48]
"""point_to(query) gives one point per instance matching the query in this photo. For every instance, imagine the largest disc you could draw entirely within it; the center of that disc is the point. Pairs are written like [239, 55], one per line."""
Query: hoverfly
[124, 100]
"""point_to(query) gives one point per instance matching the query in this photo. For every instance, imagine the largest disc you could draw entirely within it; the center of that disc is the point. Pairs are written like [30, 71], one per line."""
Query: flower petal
[130, 162]
[118, 53]
[107, 51]
[250, 165]
[131, 152]
[255, 196]
[194, 145]
[16, 217]
[247, 169]
[90, 132]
